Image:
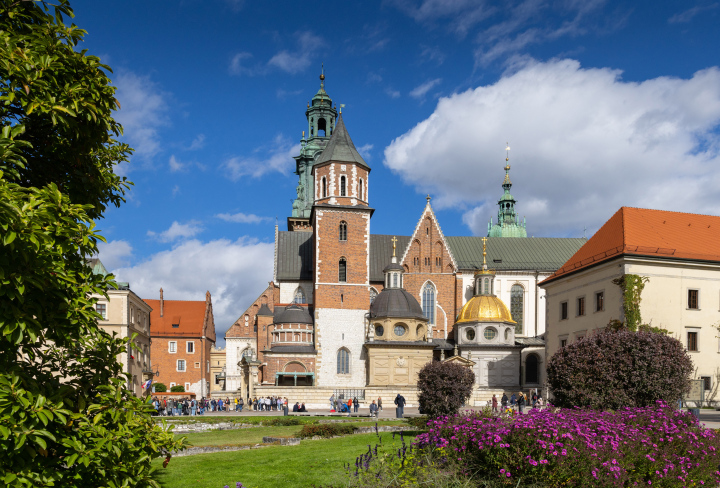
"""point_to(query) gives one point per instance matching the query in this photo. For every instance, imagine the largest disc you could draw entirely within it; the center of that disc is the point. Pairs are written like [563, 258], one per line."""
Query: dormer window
[175, 326]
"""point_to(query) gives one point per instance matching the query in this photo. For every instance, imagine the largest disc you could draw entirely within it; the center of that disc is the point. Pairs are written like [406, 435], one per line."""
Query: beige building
[679, 253]
[126, 314]
[217, 369]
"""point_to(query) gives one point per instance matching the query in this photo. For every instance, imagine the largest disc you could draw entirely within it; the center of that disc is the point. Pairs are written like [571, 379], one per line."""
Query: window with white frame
[428, 302]
[343, 361]
[172, 347]
[187, 386]
[172, 384]
[101, 308]
[190, 347]
[181, 365]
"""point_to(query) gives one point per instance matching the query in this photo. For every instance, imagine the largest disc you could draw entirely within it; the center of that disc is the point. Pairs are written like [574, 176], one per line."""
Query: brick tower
[341, 226]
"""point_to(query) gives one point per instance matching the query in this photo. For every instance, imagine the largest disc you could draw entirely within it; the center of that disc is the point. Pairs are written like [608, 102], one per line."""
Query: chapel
[349, 310]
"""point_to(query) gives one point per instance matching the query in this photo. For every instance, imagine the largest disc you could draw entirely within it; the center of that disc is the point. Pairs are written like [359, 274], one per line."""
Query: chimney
[162, 303]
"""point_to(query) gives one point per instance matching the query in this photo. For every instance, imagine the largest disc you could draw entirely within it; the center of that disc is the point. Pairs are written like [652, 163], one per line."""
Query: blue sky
[603, 103]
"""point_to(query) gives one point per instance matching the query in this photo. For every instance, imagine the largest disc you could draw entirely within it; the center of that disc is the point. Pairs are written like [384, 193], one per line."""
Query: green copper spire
[321, 117]
[508, 223]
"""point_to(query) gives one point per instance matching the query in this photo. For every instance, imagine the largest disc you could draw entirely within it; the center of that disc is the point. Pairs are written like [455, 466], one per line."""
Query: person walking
[504, 401]
[521, 402]
[400, 402]
[379, 404]
[494, 404]
[241, 404]
[373, 409]
[513, 401]
[356, 405]
[332, 401]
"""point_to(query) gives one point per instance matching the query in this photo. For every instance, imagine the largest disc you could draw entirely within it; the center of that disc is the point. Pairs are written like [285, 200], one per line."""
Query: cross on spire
[394, 241]
[484, 240]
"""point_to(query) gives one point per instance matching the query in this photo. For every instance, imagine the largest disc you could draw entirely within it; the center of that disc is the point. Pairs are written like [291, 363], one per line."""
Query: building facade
[124, 314]
[183, 334]
[314, 324]
[679, 255]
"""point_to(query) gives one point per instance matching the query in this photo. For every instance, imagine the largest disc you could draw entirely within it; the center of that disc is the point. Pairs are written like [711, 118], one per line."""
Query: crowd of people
[190, 406]
[517, 402]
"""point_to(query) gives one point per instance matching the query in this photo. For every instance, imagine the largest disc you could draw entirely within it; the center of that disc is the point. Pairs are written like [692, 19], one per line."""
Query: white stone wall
[496, 369]
[234, 346]
[338, 328]
[287, 290]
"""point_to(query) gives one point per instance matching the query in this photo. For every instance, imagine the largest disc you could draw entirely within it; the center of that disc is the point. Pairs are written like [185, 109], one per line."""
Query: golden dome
[485, 308]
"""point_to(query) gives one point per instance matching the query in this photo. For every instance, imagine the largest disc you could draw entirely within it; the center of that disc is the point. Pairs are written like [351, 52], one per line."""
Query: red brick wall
[333, 173]
[166, 363]
[238, 329]
[277, 364]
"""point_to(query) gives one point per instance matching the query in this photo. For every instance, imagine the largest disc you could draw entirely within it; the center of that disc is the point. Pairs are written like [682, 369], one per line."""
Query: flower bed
[656, 446]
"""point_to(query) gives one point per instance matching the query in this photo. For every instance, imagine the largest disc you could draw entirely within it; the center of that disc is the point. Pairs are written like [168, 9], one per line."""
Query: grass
[254, 435]
[312, 463]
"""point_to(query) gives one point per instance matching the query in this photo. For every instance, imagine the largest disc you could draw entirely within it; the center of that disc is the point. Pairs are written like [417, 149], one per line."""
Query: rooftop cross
[394, 241]
[484, 239]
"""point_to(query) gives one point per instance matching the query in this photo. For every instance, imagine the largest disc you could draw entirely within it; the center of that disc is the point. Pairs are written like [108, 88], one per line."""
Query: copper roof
[645, 232]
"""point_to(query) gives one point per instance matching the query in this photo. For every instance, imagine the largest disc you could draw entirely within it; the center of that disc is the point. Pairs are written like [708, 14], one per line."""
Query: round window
[379, 330]
[490, 333]
[399, 330]
[470, 334]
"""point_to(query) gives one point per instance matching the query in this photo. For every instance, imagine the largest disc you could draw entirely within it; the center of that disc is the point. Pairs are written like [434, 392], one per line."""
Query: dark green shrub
[160, 388]
[177, 389]
[419, 422]
[325, 430]
[280, 421]
[444, 388]
[615, 369]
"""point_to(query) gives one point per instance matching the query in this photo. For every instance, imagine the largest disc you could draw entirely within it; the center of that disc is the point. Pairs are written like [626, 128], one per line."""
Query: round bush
[177, 389]
[160, 388]
[444, 388]
[614, 369]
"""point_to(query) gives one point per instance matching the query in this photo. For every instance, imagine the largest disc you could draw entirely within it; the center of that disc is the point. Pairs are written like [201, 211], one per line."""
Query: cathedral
[347, 310]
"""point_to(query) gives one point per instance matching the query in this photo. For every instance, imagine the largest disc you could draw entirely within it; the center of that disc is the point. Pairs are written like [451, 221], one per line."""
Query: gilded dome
[484, 308]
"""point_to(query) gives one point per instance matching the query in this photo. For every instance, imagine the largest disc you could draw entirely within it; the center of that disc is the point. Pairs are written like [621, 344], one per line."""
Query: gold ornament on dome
[485, 308]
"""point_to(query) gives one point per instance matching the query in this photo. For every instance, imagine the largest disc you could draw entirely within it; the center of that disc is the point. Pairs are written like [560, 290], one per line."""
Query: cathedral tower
[341, 227]
[322, 118]
[508, 224]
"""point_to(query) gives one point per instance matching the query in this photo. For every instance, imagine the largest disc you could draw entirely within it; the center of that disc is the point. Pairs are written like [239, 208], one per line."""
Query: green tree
[66, 417]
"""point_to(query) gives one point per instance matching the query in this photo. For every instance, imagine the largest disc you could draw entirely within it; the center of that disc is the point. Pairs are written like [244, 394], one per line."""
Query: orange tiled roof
[190, 315]
[644, 232]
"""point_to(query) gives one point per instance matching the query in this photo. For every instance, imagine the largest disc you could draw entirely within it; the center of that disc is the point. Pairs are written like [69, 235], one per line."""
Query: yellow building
[217, 369]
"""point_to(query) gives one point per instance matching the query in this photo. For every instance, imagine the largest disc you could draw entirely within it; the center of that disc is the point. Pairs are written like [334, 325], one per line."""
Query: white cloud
[114, 253]
[143, 113]
[433, 54]
[197, 143]
[364, 151]
[177, 231]
[421, 91]
[188, 270]
[584, 143]
[278, 157]
[392, 93]
[462, 14]
[242, 218]
[689, 14]
[176, 165]
[236, 65]
[298, 60]
[175, 190]
[283, 94]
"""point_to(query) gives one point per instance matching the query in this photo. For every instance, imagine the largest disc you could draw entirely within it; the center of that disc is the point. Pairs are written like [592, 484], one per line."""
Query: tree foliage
[66, 416]
[160, 387]
[614, 369]
[177, 389]
[444, 387]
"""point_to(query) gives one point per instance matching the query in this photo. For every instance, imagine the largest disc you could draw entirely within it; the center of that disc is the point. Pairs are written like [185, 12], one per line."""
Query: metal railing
[346, 393]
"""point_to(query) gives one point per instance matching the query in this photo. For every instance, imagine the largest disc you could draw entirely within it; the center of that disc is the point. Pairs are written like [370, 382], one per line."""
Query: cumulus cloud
[297, 60]
[188, 270]
[242, 218]
[584, 142]
[278, 157]
[420, 91]
[114, 254]
[143, 113]
[177, 231]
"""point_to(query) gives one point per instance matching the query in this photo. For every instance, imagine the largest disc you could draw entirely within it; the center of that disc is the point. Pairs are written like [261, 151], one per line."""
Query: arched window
[342, 186]
[342, 270]
[428, 302]
[531, 369]
[324, 187]
[321, 127]
[360, 196]
[517, 302]
[343, 231]
[299, 296]
[373, 295]
[343, 361]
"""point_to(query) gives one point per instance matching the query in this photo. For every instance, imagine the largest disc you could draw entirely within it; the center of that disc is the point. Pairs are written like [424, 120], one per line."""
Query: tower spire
[508, 224]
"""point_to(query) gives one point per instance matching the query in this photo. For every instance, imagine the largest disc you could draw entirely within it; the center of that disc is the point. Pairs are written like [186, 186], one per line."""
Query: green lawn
[312, 463]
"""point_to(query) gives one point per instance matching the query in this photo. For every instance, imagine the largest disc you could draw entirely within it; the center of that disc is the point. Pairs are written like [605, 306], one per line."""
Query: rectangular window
[101, 308]
[563, 310]
[217, 379]
[190, 347]
[693, 299]
[187, 386]
[692, 344]
[707, 382]
[581, 306]
[208, 366]
[172, 384]
[181, 365]
[599, 301]
[197, 365]
[342, 275]
[563, 342]
[172, 347]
